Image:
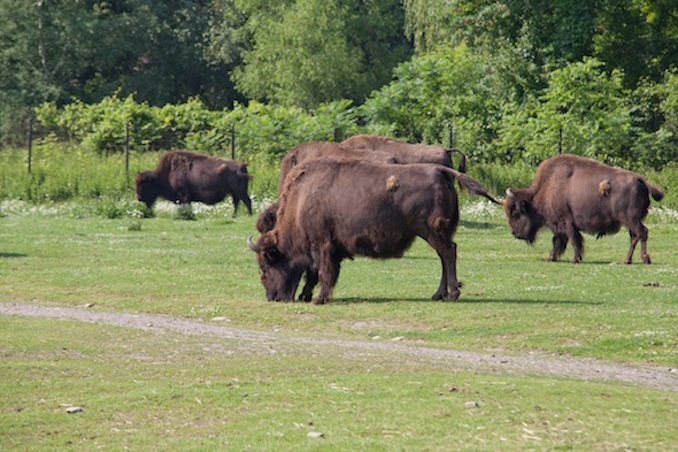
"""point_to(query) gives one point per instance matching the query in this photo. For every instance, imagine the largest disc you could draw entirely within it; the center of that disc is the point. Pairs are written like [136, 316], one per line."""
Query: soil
[657, 377]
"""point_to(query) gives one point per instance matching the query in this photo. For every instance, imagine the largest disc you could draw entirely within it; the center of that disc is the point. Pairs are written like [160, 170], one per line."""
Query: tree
[583, 102]
[57, 51]
[639, 37]
[305, 52]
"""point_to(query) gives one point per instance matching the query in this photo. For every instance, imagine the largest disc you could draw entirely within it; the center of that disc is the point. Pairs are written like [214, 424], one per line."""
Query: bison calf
[570, 194]
[185, 177]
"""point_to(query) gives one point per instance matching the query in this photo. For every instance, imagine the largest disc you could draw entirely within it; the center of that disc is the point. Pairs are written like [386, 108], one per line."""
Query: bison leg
[638, 233]
[577, 241]
[311, 281]
[559, 245]
[449, 286]
[245, 200]
[248, 203]
[328, 272]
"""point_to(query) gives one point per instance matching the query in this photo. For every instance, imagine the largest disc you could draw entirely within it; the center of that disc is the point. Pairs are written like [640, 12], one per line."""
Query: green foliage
[308, 52]
[586, 104]
[259, 128]
[59, 51]
[450, 87]
[61, 173]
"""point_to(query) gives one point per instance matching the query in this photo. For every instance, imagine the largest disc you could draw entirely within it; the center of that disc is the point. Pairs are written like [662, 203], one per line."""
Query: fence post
[30, 142]
[451, 136]
[560, 140]
[232, 141]
[127, 149]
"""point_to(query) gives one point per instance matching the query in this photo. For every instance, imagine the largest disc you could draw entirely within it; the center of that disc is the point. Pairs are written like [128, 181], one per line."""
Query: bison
[333, 209]
[184, 177]
[570, 194]
[406, 152]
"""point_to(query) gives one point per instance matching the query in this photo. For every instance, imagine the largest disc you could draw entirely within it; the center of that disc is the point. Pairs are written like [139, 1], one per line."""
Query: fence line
[335, 137]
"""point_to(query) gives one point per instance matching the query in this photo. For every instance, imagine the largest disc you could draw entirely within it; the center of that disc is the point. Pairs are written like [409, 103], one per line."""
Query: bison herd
[372, 196]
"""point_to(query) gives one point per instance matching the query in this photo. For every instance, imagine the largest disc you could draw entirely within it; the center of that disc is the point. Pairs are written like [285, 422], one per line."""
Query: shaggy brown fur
[332, 209]
[570, 194]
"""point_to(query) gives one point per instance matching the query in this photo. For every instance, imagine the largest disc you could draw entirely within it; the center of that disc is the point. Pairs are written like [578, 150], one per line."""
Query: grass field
[143, 390]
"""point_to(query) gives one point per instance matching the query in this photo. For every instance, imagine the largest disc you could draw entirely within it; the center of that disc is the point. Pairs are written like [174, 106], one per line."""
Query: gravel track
[662, 378]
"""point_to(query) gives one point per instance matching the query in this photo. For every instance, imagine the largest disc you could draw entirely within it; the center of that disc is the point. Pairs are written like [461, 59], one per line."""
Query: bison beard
[570, 194]
[333, 209]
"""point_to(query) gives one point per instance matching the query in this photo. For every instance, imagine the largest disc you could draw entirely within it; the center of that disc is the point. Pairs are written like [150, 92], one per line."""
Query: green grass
[147, 391]
[511, 300]
[144, 390]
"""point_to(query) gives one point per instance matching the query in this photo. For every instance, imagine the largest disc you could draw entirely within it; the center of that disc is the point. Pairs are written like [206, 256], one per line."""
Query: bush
[259, 129]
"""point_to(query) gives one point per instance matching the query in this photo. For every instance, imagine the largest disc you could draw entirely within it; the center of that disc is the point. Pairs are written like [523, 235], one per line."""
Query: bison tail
[473, 186]
[656, 193]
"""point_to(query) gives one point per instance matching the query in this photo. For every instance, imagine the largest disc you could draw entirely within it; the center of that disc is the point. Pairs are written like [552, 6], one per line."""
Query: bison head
[148, 187]
[280, 275]
[522, 218]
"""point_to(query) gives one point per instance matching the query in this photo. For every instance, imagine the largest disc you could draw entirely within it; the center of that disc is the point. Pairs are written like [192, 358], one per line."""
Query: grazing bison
[571, 194]
[184, 177]
[406, 152]
[332, 209]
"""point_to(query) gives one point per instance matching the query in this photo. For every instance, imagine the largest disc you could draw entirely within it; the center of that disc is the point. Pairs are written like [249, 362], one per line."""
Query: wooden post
[30, 142]
[560, 140]
[233, 141]
[127, 149]
[451, 136]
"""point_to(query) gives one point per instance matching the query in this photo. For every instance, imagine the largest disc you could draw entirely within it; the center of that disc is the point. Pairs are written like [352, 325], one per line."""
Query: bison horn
[252, 246]
[510, 194]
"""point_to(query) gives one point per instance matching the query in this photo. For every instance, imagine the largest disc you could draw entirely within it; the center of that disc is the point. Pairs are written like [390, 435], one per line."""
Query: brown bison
[406, 152]
[332, 209]
[571, 194]
[185, 177]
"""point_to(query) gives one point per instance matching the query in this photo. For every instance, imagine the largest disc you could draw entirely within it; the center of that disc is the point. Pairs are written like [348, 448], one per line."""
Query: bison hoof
[646, 259]
[453, 296]
[439, 296]
[305, 297]
[319, 301]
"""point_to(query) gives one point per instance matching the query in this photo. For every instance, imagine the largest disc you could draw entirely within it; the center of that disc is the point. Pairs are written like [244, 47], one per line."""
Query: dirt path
[663, 378]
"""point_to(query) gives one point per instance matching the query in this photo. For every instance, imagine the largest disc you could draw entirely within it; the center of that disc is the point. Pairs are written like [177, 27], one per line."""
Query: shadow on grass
[461, 300]
[584, 262]
[10, 255]
[478, 225]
